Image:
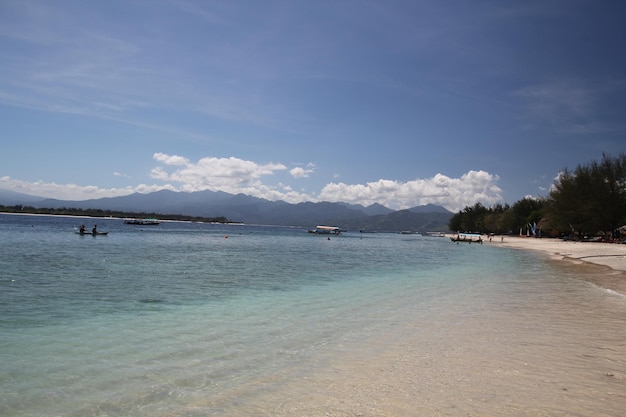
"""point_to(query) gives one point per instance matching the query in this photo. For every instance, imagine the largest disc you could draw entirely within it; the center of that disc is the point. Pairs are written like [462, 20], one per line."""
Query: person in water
[94, 231]
[82, 229]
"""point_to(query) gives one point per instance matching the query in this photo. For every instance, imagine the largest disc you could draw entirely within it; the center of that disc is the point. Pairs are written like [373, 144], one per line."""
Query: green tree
[495, 220]
[470, 219]
[455, 221]
[526, 211]
[591, 198]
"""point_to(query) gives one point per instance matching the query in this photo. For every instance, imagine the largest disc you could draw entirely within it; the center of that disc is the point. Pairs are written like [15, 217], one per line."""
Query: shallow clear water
[199, 319]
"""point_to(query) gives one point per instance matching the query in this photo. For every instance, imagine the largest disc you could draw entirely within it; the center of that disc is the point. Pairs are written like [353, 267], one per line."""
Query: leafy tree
[524, 212]
[455, 221]
[470, 219]
[499, 218]
[495, 220]
[591, 198]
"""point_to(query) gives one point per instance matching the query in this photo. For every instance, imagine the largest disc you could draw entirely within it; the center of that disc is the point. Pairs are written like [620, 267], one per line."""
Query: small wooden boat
[87, 233]
[467, 237]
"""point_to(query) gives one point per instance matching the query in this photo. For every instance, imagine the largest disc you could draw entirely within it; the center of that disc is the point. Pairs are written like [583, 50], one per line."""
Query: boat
[143, 222]
[467, 237]
[326, 230]
[91, 233]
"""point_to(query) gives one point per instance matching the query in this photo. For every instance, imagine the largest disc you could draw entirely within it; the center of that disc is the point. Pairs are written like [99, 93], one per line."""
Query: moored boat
[326, 230]
[143, 222]
[467, 237]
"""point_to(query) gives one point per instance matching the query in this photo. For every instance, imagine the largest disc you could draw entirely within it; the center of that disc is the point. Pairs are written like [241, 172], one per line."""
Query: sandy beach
[609, 255]
[536, 359]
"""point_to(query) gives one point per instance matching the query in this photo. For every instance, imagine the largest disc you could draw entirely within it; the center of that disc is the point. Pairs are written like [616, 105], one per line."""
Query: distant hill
[429, 208]
[11, 198]
[372, 210]
[253, 210]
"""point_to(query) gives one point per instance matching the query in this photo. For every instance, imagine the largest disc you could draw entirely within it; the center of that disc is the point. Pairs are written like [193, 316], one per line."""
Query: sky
[401, 103]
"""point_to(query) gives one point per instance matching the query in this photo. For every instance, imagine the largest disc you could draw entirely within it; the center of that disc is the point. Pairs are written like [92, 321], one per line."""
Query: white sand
[612, 255]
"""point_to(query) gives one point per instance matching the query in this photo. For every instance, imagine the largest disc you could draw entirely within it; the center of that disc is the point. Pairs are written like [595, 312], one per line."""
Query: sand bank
[610, 255]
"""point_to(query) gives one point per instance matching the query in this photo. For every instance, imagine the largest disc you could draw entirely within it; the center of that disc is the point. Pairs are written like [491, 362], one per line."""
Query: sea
[195, 319]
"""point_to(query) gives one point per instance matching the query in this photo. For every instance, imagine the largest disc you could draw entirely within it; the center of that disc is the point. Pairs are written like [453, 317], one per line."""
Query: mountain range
[252, 210]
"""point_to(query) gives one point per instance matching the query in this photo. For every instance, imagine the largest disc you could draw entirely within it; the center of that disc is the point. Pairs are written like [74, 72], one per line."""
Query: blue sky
[402, 103]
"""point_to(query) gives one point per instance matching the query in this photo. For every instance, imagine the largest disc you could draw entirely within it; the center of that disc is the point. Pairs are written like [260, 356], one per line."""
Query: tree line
[586, 201]
[65, 211]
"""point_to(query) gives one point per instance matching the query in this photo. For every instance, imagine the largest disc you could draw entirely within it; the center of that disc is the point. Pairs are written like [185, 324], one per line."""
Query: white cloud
[71, 191]
[170, 159]
[233, 175]
[451, 193]
[299, 172]
[159, 173]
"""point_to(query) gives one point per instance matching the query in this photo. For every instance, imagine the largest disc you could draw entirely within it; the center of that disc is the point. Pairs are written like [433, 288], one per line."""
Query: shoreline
[538, 357]
[608, 255]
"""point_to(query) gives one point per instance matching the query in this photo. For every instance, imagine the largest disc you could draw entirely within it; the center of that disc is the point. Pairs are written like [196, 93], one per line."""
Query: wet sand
[611, 255]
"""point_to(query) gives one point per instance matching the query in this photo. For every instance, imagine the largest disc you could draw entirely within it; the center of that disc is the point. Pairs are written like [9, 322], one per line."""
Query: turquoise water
[201, 319]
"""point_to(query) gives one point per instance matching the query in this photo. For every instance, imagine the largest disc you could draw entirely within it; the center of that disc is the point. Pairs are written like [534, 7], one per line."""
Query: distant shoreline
[108, 214]
[56, 215]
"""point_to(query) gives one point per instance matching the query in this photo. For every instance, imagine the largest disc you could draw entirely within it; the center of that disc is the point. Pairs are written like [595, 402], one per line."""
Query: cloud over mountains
[234, 175]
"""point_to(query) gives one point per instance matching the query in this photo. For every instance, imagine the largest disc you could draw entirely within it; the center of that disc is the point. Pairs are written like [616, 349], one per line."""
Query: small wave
[613, 292]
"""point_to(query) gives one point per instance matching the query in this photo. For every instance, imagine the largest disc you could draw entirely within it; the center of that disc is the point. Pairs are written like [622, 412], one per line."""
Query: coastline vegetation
[64, 211]
[587, 201]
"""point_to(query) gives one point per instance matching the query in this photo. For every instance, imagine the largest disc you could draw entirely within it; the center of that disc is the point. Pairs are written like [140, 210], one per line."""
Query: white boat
[326, 230]
[467, 237]
[144, 222]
